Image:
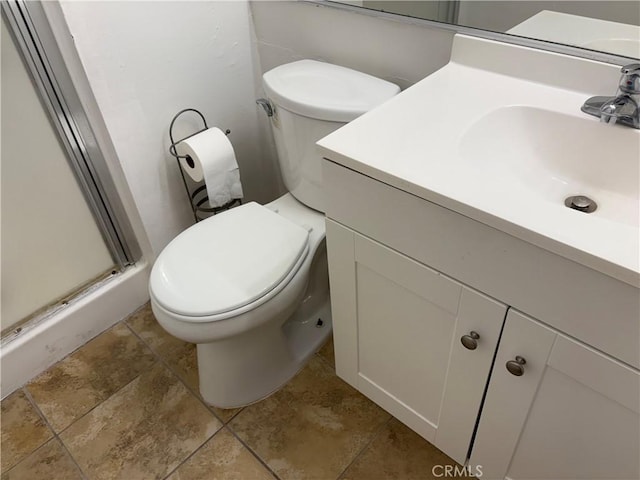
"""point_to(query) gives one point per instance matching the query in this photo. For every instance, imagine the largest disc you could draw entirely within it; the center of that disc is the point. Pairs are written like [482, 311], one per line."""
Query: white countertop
[415, 142]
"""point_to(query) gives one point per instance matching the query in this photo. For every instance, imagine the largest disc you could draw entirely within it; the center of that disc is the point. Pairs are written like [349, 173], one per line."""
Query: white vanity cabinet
[410, 277]
[572, 413]
[398, 330]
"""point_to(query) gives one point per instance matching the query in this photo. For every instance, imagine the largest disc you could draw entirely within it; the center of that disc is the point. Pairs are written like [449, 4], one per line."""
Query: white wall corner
[193, 55]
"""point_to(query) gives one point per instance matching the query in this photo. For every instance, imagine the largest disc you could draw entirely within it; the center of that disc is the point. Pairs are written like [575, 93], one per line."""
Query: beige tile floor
[126, 406]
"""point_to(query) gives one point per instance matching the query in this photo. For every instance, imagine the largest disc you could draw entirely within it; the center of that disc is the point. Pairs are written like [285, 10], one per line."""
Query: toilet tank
[310, 100]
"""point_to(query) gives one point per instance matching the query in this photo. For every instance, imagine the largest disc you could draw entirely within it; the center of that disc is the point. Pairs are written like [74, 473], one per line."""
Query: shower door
[59, 229]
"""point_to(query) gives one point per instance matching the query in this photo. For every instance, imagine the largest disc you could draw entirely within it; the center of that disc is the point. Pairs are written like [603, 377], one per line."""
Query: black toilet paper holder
[196, 191]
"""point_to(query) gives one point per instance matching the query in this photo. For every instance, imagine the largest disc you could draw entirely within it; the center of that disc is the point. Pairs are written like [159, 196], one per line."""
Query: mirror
[609, 26]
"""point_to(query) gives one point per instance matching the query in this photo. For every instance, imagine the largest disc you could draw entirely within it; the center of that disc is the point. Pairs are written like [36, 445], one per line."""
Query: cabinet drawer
[595, 308]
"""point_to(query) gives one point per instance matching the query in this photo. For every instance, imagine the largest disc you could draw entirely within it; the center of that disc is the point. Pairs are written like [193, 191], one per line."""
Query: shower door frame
[29, 26]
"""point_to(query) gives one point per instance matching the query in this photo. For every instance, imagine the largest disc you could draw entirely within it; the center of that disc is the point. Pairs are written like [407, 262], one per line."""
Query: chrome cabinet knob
[470, 341]
[516, 367]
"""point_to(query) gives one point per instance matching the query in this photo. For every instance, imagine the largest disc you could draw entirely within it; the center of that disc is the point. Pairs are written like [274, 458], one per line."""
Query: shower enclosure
[63, 228]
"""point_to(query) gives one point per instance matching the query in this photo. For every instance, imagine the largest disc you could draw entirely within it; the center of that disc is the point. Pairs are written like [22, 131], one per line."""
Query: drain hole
[581, 203]
[319, 323]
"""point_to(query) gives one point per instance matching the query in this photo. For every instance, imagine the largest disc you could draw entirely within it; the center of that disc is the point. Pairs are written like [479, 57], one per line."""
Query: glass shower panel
[50, 243]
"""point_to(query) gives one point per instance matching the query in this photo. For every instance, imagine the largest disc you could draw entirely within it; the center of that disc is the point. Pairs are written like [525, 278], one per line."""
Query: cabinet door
[573, 414]
[397, 330]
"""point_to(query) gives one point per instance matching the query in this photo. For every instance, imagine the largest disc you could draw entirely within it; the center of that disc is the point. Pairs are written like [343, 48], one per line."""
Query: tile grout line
[109, 397]
[255, 454]
[178, 376]
[327, 365]
[55, 434]
[366, 446]
[39, 413]
[228, 429]
[375, 435]
[58, 434]
[324, 362]
[193, 453]
[157, 360]
[225, 425]
[104, 400]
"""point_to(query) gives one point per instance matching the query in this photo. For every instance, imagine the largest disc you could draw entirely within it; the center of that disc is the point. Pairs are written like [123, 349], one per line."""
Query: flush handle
[264, 103]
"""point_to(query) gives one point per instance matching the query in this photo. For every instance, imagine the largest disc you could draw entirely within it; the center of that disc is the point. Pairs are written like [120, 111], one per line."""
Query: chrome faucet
[624, 108]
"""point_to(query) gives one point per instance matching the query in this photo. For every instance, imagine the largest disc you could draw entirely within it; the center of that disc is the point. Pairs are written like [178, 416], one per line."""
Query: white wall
[399, 52]
[145, 61]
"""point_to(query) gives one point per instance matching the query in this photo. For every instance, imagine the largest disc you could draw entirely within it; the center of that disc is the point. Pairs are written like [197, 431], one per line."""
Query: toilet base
[270, 357]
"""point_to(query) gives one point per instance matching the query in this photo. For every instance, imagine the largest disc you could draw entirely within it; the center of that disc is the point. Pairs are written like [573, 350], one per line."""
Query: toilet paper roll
[210, 157]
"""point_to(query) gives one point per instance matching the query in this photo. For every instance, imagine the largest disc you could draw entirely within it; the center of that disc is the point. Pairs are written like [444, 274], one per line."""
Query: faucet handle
[630, 79]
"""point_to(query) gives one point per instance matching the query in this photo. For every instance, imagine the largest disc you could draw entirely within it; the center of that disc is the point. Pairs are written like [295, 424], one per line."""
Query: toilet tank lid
[325, 91]
[227, 261]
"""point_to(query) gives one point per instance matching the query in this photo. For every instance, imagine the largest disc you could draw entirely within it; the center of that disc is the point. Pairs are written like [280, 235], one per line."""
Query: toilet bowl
[250, 285]
[247, 351]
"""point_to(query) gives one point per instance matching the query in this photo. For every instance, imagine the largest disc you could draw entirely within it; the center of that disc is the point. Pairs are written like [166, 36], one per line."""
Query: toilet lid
[324, 91]
[227, 261]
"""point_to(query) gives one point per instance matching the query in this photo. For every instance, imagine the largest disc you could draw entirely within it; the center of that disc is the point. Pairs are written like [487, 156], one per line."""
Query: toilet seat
[227, 263]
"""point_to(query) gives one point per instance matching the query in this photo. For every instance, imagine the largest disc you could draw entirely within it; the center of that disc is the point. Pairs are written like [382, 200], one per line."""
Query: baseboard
[40, 346]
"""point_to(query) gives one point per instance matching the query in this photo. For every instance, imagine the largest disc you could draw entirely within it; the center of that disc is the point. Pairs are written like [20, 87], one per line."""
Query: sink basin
[497, 135]
[551, 155]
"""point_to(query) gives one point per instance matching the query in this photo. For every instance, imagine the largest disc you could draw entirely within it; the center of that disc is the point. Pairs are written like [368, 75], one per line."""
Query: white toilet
[250, 286]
